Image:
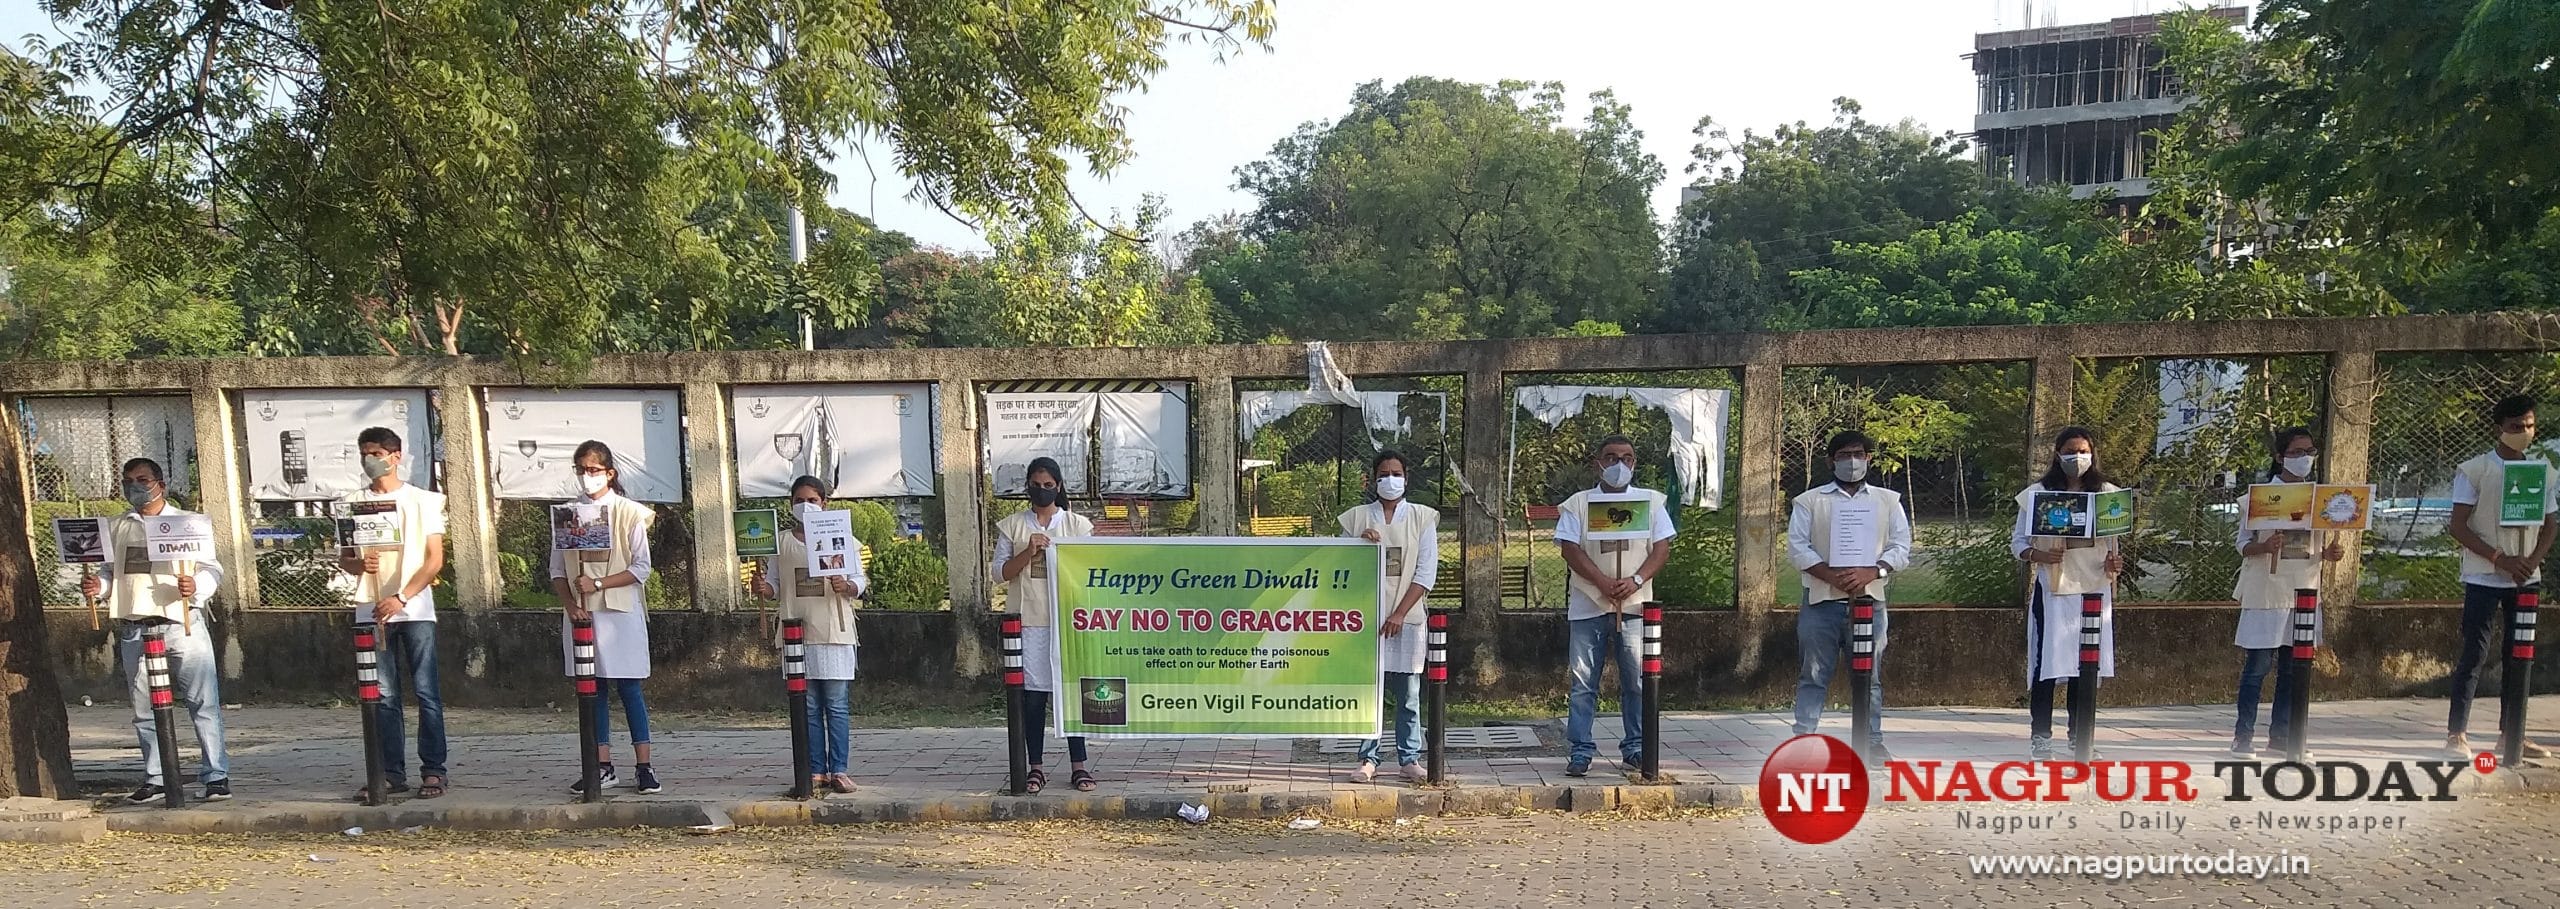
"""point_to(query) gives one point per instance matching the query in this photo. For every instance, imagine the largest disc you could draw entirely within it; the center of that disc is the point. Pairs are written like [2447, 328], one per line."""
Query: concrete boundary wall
[704, 380]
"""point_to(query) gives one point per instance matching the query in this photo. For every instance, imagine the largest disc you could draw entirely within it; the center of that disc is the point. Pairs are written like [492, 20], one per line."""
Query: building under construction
[2076, 104]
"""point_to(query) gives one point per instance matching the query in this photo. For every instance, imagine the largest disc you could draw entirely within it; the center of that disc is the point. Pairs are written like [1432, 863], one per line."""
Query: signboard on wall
[865, 441]
[302, 442]
[1021, 427]
[534, 432]
[1143, 428]
[1146, 444]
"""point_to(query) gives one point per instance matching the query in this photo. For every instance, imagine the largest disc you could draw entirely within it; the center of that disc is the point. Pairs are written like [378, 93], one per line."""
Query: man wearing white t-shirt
[1605, 593]
[395, 587]
[2497, 557]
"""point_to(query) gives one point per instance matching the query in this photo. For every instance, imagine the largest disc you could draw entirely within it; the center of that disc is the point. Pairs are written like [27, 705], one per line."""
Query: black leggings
[2040, 694]
[1035, 728]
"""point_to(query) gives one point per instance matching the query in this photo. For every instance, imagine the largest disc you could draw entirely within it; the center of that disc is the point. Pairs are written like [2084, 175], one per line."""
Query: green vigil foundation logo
[1106, 701]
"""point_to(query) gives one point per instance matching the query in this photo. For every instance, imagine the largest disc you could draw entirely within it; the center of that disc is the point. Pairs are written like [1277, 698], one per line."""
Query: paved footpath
[295, 768]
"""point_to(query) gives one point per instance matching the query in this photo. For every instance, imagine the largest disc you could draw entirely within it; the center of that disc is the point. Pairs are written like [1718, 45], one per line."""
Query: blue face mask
[140, 494]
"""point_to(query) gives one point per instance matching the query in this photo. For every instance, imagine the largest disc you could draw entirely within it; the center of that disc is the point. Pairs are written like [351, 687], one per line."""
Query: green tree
[1063, 283]
[1950, 274]
[1442, 209]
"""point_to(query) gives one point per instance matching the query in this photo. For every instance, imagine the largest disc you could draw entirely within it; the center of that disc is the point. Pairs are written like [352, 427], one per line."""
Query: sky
[1753, 65]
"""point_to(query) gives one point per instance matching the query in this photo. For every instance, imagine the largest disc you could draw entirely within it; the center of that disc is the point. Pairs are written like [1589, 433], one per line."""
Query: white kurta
[2265, 589]
[1412, 544]
[2057, 590]
[1029, 595]
[622, 635]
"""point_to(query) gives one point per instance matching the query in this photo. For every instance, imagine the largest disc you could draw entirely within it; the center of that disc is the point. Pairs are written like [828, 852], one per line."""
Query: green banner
[1217, 636]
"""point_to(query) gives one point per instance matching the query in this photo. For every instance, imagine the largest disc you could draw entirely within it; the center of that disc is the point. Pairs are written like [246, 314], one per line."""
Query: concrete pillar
[2347, 458]
[2048, 410]
[1213, 400]
[1487, 414]
[711, 489]
[471, 528]
[221, 494]
[1763, 516]
[964, 529]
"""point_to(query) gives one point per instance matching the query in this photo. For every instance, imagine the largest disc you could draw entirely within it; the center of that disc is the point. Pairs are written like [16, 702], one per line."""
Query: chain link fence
[2431, 413]
[76, 448]
[1305, 463]
[1950, 439]
[1550, 460]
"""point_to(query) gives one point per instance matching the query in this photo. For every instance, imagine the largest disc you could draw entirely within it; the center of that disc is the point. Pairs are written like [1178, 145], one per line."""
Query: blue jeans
[2481, 624]
[1822, 643]
[1405, 689]
[410, 648]
[2253, 672]
[830, 722]
[195, 681]
[634, 710]
[1585, 643]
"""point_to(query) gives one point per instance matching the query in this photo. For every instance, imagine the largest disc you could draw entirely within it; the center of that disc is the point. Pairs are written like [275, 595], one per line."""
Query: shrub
[908, 575]
[1699, 571]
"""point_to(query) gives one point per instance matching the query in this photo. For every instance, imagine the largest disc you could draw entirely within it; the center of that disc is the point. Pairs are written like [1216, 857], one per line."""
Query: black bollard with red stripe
[795, 693]
[582, 662]
[1017, 752]
[2084, 690]
[1652, 691]
[1862, 676]
[2517, 689]
[2297, 668]
[369, 703]
[1435, 694]
[164, 711]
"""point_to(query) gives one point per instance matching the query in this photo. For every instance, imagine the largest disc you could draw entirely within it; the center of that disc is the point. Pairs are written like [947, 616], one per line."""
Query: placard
[80, 541]
[758, 532]
[2523, 494]
[829, 536]
[1857, 532]
[1625, 515]
[2064, 515]
[2342, 507]
[533, 433]
[581, 527]
[177, 537]
[2111, 513]
[302, 442]
[2279, 506]
[368, 525]
[1214, 636]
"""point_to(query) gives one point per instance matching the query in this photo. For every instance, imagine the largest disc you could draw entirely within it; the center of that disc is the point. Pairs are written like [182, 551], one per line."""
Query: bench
[1450, 593]
[1537, 513]
[1281, 526]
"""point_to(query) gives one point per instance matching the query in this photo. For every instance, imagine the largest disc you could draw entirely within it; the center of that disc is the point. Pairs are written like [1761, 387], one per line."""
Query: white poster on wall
[2194, 394]
[1146, 442]
[534, 432]
[302, 442]
[80, 444]
[865, 441]
[1021, 427]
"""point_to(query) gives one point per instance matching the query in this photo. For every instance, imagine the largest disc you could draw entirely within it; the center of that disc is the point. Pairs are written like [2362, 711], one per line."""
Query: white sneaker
[2242, 753]
[1368, 771]
[1413, 773]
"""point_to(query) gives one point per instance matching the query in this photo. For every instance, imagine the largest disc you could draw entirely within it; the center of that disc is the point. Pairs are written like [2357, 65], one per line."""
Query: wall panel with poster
[865, 441]
[1134, 435]
[534, 432]
[302, 441]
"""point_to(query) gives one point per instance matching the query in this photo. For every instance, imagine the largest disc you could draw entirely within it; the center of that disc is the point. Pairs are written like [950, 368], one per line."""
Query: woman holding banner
[606, 588]
[828, 636]
[1410, 534]
[2061, 572]
[1022, 563]
[2274, 564]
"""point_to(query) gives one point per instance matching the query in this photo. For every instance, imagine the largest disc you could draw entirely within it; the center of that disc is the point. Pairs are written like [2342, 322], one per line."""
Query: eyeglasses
[593, 471]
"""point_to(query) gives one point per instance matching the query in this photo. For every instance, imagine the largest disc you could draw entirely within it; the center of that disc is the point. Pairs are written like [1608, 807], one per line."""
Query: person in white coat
[830, 638]
[2274, 564]
[1022, 563]
[1410, 536]
[2061, 572]
[605, 587]
[142, 593]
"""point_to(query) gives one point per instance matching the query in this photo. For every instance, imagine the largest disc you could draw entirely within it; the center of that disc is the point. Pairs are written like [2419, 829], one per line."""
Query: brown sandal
[1031, 784]
[430, 786]
[1084, 781]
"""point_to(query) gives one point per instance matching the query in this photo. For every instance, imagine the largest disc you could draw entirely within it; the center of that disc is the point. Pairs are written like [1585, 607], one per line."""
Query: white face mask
[805, 509]
[1390, 488]
[594, 483]
[1617, 476]
[2298, 465]
[1849, 470]
[2074, 465]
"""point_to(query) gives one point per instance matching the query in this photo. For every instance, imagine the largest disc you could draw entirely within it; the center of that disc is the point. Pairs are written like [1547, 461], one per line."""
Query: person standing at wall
[1608, 583]
[607, 589]
[140, 594]
[2061, 572]
[2274, 564]
[1410, 536]
[1022, 563]
[1823, 626]
[395, 590]
[2496, 559]
[829, 636]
